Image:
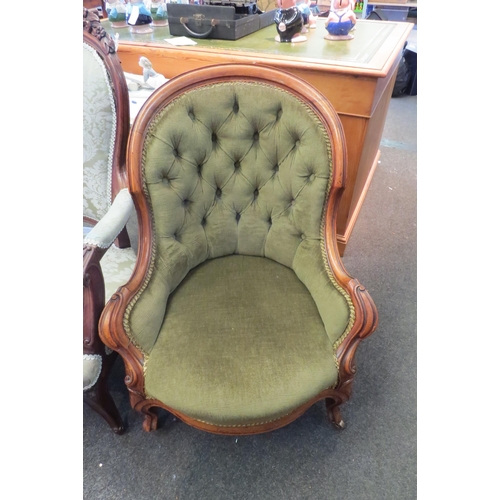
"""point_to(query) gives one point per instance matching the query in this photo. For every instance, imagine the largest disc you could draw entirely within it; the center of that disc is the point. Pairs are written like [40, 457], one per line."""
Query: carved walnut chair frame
[365, 320]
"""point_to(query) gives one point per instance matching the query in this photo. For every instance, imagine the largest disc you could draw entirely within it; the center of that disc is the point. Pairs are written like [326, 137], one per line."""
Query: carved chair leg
[150, 419]
[100, 400]
[333, 412]
[98, 396]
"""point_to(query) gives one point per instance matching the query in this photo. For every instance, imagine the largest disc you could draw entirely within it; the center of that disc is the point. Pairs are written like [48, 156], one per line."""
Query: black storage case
[213, 21]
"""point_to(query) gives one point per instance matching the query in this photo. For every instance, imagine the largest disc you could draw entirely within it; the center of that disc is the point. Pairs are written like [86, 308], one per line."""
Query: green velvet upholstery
[254, 350]
[237, 169]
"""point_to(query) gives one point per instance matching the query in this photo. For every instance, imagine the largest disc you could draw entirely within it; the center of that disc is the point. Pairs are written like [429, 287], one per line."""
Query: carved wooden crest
[92, 25]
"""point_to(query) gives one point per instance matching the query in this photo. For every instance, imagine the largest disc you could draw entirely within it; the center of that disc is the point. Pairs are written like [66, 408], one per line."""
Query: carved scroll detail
[366, 323]
[93, 299]
[92, 25]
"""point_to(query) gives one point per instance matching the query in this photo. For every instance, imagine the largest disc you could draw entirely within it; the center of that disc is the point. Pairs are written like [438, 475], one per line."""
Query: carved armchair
[239, 314]
[107, 205]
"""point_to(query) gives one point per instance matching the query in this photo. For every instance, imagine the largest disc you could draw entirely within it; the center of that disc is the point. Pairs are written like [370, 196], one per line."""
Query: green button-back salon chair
[239, 314]
[107, 205]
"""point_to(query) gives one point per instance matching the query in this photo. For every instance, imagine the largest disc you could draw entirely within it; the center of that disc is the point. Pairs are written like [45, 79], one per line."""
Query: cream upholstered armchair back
[106, 118]
[99, 120]
[99, 131]
[106, 203]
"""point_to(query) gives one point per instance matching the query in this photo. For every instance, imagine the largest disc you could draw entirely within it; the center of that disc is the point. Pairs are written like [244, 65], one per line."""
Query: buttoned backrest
[247, 174]
[234, 167]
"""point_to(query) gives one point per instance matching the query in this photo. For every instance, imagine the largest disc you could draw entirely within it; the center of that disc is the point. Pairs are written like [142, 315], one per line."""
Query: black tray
[210, 21]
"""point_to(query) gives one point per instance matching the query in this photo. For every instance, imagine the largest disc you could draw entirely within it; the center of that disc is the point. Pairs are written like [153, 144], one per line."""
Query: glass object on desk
[116, 10]
[139, 17]
[341, 20]
[158, 9]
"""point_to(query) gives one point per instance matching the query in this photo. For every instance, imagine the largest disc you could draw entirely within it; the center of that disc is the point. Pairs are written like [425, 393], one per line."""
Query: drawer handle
[213, 22]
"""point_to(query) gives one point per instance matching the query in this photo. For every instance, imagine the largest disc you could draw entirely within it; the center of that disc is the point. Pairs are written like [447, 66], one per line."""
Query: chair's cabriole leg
[150, 420]
[135, 382]
[98, 396]
[100, 400]
[333, 412]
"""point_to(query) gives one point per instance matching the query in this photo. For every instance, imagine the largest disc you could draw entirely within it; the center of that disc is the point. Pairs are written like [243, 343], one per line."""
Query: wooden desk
[356, 76]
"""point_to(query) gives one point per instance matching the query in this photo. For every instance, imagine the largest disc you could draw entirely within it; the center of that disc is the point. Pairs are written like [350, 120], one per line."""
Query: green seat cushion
[242, 343]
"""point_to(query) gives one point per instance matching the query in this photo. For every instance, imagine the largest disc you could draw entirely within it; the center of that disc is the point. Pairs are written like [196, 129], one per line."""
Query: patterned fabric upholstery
[117, 265]
[99, 118]
[99, 126]
[92, 365]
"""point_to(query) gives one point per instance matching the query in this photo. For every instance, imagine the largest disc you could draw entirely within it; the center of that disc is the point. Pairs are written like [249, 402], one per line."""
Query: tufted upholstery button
[218, 192]
[238, 216]
[237, 165]
[199, 170]
[292, 202]
[204, 221]
[269, 220]
[191, 114]
[256, 192]
[176, 153]
[236, 107]
[276, 168]
[312, 177]
[302, 236]
[278, 114]
[297, 142]
[185, 203]
[256, 136]
[214, 137]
